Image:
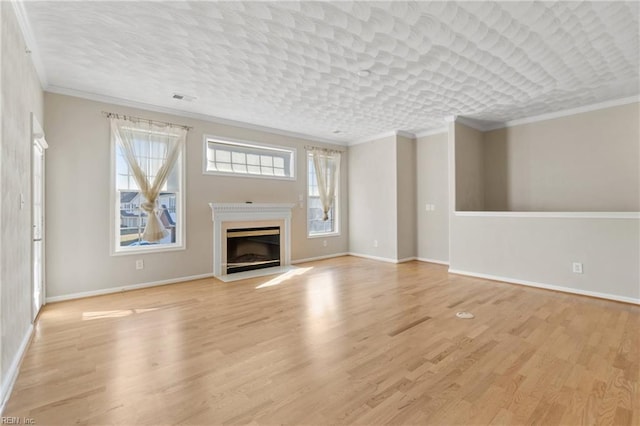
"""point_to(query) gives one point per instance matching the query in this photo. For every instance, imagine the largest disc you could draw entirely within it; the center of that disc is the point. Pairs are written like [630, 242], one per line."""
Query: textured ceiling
[294, 65]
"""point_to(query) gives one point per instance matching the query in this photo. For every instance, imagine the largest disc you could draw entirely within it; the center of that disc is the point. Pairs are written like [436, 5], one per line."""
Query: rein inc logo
[17, 421]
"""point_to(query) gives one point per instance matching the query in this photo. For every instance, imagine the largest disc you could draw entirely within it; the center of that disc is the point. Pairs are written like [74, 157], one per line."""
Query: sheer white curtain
[151, 150]
[327, 166]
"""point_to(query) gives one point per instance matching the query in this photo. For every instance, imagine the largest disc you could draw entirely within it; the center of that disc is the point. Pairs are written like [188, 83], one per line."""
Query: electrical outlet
[139, 264]
[324, 243]
[375, 243]
[577, 267]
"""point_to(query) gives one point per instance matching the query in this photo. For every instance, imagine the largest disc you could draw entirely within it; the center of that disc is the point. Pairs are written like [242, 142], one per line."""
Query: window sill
[147, 250]
[328, 234]
[248, 175]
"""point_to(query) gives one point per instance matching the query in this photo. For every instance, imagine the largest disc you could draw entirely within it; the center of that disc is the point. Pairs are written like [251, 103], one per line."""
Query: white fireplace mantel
[248, 212]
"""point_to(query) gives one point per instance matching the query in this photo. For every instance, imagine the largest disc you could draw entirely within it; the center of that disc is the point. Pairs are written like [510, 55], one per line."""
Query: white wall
[432, 188]
[21, 95]
[78, 206]
[373, 213]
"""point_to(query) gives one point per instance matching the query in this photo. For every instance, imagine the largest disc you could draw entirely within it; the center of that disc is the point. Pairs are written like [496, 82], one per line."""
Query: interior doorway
[39, 145]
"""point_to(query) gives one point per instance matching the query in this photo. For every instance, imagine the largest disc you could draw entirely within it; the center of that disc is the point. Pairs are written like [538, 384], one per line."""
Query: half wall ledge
[569, 215]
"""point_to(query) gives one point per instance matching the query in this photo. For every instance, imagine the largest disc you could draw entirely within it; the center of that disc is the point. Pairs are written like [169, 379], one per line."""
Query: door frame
[37, 139]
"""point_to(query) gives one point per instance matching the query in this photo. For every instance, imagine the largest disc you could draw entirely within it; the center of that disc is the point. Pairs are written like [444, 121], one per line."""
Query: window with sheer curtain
[148, 186]
[323, 168]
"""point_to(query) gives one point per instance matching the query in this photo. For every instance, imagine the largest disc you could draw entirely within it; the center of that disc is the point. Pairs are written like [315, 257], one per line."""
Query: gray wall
[582, 162]
[373, 199]
[469, 168]
[78, 200]
[382, 198]
[542, 249]
[432, 188]
[21, 95]
[406, 195]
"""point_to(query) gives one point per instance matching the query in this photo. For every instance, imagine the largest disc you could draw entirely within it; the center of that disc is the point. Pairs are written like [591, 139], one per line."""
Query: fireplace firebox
[252, 248]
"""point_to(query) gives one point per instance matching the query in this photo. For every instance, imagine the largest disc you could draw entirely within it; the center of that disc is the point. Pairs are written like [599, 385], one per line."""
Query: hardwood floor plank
[408, 326]
[346, 341]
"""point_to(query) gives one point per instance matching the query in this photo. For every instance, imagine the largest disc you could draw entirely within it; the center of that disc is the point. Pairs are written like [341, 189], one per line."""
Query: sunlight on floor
[88, 316]
[283, 277]
[321, 297]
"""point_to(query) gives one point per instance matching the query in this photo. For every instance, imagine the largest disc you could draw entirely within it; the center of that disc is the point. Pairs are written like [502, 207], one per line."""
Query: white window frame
[180, 244]
[336, 206]
[248, 144]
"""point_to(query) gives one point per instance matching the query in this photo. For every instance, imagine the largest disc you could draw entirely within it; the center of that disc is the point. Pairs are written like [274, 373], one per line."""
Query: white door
[37, 214]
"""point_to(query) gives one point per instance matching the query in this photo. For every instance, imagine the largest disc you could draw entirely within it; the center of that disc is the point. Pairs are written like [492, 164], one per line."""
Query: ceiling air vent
[180, 97]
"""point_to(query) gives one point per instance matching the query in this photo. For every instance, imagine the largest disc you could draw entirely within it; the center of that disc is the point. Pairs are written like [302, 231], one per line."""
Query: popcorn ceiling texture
[293, 65]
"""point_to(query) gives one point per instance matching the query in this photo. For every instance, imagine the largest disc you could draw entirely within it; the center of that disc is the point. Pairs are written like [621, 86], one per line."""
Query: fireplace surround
[240, 218]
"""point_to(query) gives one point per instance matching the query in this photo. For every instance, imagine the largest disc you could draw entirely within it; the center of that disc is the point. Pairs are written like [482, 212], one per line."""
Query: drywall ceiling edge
[30, 41]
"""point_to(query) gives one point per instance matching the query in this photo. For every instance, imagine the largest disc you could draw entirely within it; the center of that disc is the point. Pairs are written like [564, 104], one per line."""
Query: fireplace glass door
[252, 248]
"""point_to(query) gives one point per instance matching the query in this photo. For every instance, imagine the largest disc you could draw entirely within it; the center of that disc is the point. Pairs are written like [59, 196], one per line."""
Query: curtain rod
[133, 118]
[309, 147]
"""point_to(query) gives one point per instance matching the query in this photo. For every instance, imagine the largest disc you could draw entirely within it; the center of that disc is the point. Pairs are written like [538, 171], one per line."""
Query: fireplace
[252, 248]
[238, 250]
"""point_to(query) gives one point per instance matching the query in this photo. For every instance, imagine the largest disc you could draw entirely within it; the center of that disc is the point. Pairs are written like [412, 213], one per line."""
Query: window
[149, 148]
[316, 225]
[248, 159]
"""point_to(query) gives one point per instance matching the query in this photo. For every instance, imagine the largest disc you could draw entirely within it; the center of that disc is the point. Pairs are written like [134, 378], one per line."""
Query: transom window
[226, 156]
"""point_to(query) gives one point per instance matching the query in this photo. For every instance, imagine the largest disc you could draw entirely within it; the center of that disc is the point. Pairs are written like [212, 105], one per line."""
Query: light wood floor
[347, 341]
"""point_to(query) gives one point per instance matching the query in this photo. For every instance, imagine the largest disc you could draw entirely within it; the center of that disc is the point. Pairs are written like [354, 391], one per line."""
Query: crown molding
[565, 112]
[393, 133]
[373, 138]
[480, 125]
[432, 132]
[30, 41]
[194, 115]
[405, 134]
[485, 126]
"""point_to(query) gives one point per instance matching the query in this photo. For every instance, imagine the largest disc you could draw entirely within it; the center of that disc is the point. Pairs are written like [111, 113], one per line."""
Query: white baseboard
[312, 259]
[368, 256]
[439, 262]
[14, 368]
[125, 288]
[381, 259]
[549, 286]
